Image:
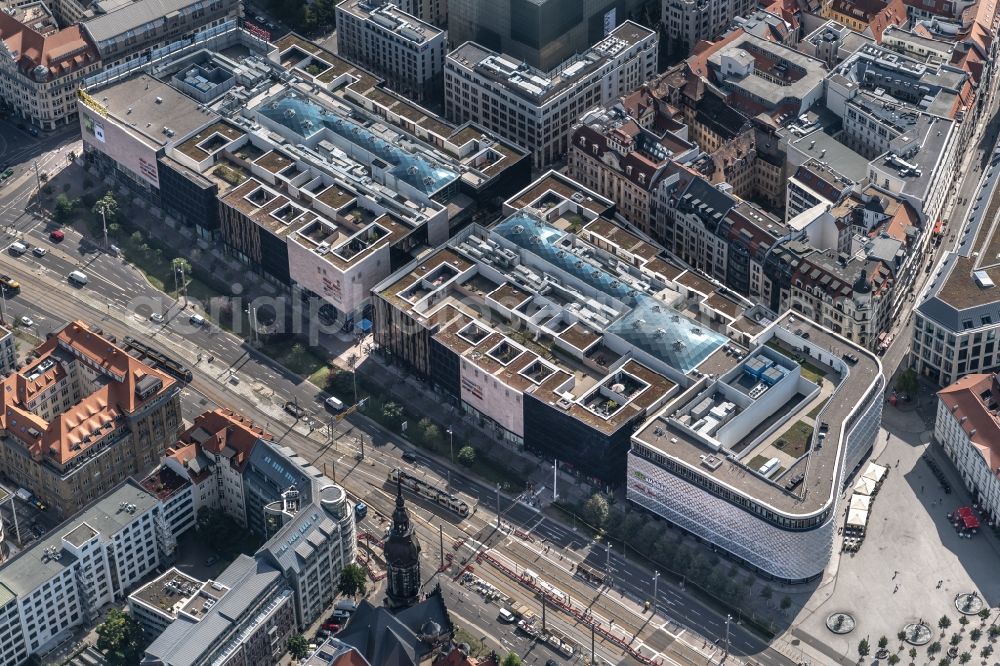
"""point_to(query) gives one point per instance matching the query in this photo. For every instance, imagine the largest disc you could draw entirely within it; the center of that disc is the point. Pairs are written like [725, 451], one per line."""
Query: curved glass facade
[306, 118]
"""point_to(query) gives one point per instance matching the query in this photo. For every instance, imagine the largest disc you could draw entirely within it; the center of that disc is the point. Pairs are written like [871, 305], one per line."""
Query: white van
[336, 404]
[78, 278]
[506, 616]
[197, 320]
[17, 249]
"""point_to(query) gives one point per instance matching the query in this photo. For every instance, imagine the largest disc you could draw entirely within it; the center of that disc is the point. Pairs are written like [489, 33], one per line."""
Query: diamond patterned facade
[793, 555]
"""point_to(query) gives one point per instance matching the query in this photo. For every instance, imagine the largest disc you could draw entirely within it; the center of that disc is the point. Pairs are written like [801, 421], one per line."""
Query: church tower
[402, 558]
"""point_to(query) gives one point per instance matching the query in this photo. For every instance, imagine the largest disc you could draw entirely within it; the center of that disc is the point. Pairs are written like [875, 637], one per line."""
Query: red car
[331, 626]
[56, 235]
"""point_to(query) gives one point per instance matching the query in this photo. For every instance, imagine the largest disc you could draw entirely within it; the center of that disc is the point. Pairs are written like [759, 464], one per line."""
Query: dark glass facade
[190, 199]
[550, 432]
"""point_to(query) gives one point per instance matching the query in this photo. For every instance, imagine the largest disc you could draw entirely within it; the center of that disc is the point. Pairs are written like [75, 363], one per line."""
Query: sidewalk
[417, 397]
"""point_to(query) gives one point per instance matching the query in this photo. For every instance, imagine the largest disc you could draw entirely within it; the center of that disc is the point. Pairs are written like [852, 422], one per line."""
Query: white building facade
[535, 109]
[405, 51]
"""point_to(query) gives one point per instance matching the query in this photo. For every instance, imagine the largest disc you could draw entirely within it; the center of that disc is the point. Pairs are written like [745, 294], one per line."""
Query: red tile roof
[964, 400]
[73, 431]
[60, 53]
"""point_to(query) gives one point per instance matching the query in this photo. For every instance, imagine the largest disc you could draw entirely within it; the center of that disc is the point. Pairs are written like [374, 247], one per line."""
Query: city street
[119, 300]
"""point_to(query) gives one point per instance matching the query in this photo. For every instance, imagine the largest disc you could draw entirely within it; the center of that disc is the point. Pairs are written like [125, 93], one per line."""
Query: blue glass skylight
[305, 117]
[651, 325]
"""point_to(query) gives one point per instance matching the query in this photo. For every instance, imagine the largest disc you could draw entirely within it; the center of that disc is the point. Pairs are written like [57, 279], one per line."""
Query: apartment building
[868, 17]
[955, 324]
[967, 427]
[613, 155]
[60, 582]
[43, 67]
[82, 417]
[132, 31]
[245, 616]
[325, 192]
[541, 33]
[688, 22]
[407, 53]
[534, 108]
[227, 463]
[720, 235]
[759, 75]
[694, 462]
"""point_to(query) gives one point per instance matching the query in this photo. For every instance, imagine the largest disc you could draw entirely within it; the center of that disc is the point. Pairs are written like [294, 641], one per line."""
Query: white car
[27, 321]
[156, 318]
[39, 251]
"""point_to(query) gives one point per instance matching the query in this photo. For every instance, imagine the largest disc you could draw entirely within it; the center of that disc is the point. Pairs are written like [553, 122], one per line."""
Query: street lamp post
[451, 438]
[656, 580]
[104, 225]
[498, 506]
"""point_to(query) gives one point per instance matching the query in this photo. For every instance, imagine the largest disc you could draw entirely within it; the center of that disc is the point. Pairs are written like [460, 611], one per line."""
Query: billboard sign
[102, 133]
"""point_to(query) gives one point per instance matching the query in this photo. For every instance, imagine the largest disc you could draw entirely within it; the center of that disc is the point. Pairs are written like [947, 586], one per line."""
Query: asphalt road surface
[119, 300]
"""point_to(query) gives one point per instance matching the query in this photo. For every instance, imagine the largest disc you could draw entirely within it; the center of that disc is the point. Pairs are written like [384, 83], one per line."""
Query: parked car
[345, 605]
[409, 457]
[56, 235]
[27, 321]
[294, 409]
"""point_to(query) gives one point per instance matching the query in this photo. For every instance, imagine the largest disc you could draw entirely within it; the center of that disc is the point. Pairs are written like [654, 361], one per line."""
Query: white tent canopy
[857, 518]
[875, 472]
[861, 502]
[864, 486]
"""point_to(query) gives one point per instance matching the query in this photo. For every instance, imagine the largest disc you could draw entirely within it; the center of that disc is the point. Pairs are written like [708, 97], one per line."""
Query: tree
[976, 634]
[341, 384]
[984, 614]
[120, 638]
[964, 658]
[907, 382]
[392, 414]
[466, 456]
[986, 651]
[934, 647]
[512, 659]
[767, 592]
[901, 636]
[863, 647]
[963, 620]
[944, 622]
[893, 659]
[955, 639]
[994, 631]
[882, 642]
[64, 208]
[645, 540]
[298, 646]
[353, 581]
[596, 510]
[786, 603]
[108, 206]
[321, 14]
[912, 653]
